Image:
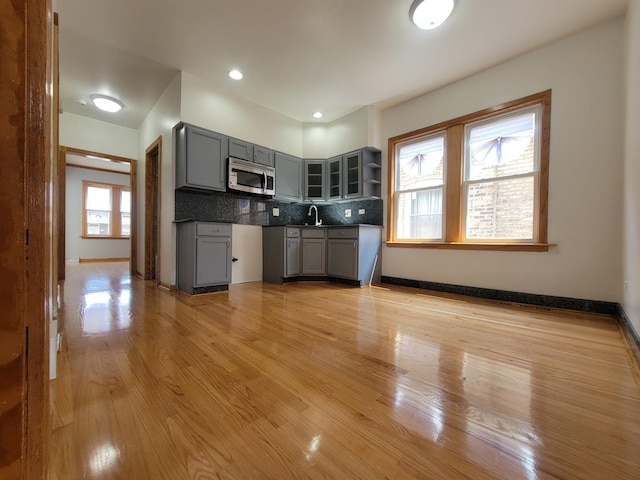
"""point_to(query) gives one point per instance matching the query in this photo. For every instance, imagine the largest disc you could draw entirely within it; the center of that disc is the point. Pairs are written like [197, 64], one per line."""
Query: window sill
[98, 237]
[493, 246]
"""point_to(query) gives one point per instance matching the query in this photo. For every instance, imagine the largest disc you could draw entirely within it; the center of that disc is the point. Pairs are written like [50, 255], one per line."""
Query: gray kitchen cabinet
[334, 178]
[314, 251]
[200, 158]
[292, 266]
[280, 253]
[204, 256]
[240, 149]
[352, 175]
[353, 253]
[263, 156]
[314, 181]
[288, 177]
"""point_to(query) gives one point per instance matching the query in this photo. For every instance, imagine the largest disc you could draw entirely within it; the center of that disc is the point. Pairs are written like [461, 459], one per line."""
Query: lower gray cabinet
[280, 253]
[204, 257]
[292, 262]
[353, 253]
[314, 249]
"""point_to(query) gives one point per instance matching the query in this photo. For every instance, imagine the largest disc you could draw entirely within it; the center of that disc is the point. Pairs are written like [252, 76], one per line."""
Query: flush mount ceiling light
[236, 74]
[106, 103]
[428, 14]
[317, 115]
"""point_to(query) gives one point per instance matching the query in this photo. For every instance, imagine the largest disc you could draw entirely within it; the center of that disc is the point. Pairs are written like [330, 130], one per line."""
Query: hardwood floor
[325, 381]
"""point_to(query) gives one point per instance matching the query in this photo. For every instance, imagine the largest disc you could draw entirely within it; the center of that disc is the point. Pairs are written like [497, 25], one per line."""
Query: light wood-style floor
[326, 381]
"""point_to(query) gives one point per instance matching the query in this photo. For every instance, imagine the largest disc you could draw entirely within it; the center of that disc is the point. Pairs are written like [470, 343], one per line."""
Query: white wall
[586, 73]
[351, 132]
[75, 246]
[88, 134]
[631, 250]
[206, 107]
[160, 121]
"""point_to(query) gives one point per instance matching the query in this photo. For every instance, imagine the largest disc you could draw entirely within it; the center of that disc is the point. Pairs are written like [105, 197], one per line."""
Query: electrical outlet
[347, 212]
[361, 211]
[276, 212]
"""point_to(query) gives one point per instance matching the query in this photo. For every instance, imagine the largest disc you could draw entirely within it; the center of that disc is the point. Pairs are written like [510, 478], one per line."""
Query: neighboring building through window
[479, 181]
[106, 210]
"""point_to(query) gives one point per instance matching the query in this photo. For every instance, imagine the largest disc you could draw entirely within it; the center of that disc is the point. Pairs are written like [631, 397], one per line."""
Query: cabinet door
[240, 149]
[352, 175]
[213, 260]
[314, 179]
[201, 158]
[288, 176]
[314, 256]
[334, 178]
[263, 156]
[343, 258]
[293, 257]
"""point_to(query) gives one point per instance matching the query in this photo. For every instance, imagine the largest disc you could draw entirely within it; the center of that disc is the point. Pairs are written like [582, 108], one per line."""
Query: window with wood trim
[106, 210]
[474, 182]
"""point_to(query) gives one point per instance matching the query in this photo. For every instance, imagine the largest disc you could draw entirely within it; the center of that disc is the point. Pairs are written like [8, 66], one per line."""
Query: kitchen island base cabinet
[204, 257]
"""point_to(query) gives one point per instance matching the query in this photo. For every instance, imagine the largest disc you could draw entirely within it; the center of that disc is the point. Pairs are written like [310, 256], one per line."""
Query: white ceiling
[298, 56]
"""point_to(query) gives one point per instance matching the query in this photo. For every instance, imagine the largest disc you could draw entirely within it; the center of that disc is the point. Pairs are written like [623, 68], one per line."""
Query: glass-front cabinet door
[352, 175]
[334, 178]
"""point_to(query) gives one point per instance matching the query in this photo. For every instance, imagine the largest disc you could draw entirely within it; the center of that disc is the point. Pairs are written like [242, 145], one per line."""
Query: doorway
[97, 161]
[152, 182]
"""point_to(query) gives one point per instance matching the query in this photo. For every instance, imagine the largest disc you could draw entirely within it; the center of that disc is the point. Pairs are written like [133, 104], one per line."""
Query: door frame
[62, 185]
[152, 194]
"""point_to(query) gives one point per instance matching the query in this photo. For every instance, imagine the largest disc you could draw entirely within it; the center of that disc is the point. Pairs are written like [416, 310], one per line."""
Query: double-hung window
[477, 182]
[106, 211]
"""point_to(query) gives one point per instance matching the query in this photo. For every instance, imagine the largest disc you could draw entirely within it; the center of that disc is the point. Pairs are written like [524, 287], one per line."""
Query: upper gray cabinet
[354, 175]
[200, 158]
[334, 178]
[288, 177]
[240, 149]
[314, 181]
[263, 156]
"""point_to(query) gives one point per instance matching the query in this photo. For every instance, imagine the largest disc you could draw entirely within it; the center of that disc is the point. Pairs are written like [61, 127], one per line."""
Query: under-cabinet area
[348, 254]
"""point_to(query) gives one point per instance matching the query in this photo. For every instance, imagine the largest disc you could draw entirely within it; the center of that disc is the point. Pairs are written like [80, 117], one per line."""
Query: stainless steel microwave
[250, 177]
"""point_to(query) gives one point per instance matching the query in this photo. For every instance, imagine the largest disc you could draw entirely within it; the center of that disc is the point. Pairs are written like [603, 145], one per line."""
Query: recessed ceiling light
[428, 14]
[106, 103]
[317, 115]
[236, 74]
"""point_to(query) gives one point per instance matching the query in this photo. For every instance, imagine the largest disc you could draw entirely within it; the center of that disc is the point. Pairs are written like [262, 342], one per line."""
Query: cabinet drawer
[293, 232]
[317, 232]
[343, 232]
[213, 229]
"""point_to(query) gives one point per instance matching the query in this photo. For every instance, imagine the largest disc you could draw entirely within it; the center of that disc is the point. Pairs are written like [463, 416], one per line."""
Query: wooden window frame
[115, 219]
[453, 189]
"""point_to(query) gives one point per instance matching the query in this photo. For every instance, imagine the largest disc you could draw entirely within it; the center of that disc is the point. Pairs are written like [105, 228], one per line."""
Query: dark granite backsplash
[254, 210]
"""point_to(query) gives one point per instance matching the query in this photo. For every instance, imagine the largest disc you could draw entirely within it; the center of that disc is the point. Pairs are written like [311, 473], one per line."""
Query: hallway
[317, 380]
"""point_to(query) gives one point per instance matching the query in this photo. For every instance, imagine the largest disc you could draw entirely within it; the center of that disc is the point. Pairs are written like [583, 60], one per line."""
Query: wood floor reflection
[333, 382]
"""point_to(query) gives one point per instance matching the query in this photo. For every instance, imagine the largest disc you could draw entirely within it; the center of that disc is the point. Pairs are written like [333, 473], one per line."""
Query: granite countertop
[326, 226]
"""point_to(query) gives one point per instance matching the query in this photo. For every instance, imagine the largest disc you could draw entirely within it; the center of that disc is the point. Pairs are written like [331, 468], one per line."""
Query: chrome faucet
[313, 207]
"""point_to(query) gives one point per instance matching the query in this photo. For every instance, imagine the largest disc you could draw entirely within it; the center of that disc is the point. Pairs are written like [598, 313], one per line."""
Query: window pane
[125, 201]
[501, 148]
[419, 215]
[501, 209]
[98, 222]
[421, 164]
[98, 199]
[125, 219]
